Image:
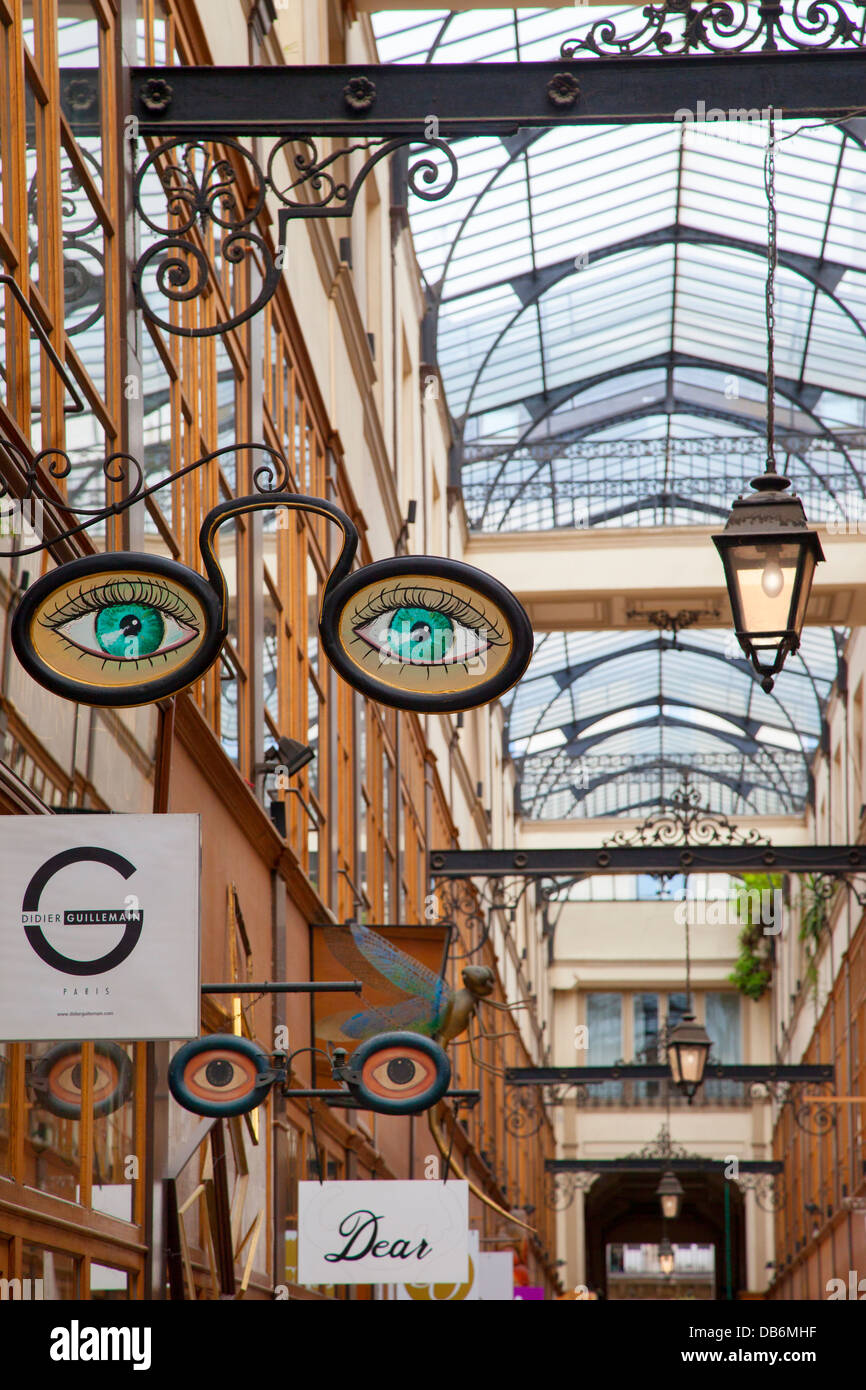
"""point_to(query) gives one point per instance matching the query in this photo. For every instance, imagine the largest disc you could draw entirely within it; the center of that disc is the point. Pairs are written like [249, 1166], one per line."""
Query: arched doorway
[622, 1210]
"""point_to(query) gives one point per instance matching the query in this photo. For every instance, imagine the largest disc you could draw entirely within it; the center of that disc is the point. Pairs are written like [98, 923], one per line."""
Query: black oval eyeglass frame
[69, 1110]
[212, 593]
[219, 1042]
[382, 1041]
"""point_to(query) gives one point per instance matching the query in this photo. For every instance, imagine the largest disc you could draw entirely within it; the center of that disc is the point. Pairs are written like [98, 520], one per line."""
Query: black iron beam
[634, 1071]
[647, 859]
[485, 98]
[661, 1165]
[285, 987]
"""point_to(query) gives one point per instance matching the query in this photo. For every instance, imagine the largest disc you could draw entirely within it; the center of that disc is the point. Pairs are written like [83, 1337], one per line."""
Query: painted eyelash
[437, 600]
[118, 592]
[114, 663]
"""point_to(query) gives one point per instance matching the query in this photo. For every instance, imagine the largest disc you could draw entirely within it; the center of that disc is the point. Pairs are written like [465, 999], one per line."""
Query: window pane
[722, 1022]
[646, 1032]
[604, 1025]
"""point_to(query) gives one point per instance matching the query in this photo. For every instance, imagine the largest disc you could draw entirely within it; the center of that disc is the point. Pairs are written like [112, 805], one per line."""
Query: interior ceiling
[597, 314]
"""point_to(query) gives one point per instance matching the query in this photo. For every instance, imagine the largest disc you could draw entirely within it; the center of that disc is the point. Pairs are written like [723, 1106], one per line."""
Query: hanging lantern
[688, 1049]
[769, 555]
[670, 1193]
[666, 1257]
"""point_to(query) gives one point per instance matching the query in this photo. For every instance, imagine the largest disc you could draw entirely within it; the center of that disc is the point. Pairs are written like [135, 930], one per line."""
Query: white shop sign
[379, 1232]
[99, 927]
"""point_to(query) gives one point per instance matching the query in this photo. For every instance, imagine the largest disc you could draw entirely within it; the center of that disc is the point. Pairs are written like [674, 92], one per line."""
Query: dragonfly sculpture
[424, 1003]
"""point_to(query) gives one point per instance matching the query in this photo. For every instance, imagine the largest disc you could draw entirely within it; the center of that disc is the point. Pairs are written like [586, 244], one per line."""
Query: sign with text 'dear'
[99, 927]
[379, 1232]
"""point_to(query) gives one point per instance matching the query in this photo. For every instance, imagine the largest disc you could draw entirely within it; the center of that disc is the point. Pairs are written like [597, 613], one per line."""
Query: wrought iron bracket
[844, 860]
[566, 1176]
[492, 98]
[532, 1089]
[212, 184]
[217, 187]
[123, 471]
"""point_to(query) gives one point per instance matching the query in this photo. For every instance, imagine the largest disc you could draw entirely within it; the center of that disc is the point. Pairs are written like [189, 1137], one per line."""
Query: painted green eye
[125, 621]
[122, 627]
[425, 633]
[420, 634]
[119, 629]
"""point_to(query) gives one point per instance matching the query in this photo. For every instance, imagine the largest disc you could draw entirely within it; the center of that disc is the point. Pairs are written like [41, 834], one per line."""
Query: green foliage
[753, 970]
[816, 897]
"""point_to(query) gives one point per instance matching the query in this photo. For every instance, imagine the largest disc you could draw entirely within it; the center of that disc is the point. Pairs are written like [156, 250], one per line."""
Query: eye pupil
[117, 624]
[401, 1070]
[420, 634]
[75, 1076]
[219, 1072]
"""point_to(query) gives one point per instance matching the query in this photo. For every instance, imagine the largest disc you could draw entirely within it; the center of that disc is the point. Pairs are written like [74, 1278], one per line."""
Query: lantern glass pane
[764, 574]
[691, 1063]
[809, 563]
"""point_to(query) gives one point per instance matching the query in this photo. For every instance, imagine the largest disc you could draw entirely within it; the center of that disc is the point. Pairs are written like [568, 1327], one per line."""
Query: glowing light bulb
[772, 579]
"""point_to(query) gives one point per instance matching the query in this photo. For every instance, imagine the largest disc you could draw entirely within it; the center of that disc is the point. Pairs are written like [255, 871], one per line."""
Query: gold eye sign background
[419, 632]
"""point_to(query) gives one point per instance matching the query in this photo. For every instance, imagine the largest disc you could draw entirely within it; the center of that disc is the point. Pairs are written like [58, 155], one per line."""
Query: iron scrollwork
[684, 821]
[524, 1111]
[812, 1117]
[559, 1188]
[218, 187]
[769, 1189]
[469, 905]
[678, 28]
[119, 469]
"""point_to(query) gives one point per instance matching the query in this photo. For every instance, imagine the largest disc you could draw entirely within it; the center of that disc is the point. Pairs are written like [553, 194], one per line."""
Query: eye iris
[122, 623]
[420, 634]
[219, 1072]
[401, 1071]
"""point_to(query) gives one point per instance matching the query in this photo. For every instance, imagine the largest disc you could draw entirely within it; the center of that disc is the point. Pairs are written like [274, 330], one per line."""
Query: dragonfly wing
[341, 944]
[414, 1015]
[402, 971]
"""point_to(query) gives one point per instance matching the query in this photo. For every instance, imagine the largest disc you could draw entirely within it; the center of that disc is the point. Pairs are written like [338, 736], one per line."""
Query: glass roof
[598, 316]
[607, 283]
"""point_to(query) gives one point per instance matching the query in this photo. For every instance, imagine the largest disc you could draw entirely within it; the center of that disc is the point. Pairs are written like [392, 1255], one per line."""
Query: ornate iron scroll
[684, 821]
[769, 1189]
[122, 470]
[678, 28]
[216, 189]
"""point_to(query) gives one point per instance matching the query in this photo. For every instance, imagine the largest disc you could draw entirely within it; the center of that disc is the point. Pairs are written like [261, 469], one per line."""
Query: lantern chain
[770, 187]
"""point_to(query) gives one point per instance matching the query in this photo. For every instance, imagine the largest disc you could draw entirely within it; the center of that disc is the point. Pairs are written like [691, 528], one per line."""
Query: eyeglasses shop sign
[382, 1232]
[99, 927]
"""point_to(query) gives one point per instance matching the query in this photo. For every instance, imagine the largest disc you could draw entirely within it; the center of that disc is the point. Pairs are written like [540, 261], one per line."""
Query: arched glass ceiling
[608, 723]
[597, 313]
[606, 283]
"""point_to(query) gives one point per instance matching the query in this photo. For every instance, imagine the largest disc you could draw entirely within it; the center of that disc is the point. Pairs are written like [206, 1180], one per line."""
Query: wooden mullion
[85, 1125]
[94, 399]
[88, 183]
[9, 252]
[49, 178]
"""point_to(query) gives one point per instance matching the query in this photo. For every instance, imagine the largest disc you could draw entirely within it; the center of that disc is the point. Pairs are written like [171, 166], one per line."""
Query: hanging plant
[816, 898]
[753, 970]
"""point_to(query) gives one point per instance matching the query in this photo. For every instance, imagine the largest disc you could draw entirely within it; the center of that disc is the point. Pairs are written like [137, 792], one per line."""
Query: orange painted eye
[66, 1078]
[219, 1075]
[399, 1073]
[58, 1077]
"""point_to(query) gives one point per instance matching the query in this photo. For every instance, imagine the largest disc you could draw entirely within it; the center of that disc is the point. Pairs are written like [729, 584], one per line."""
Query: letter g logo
[85, 854]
